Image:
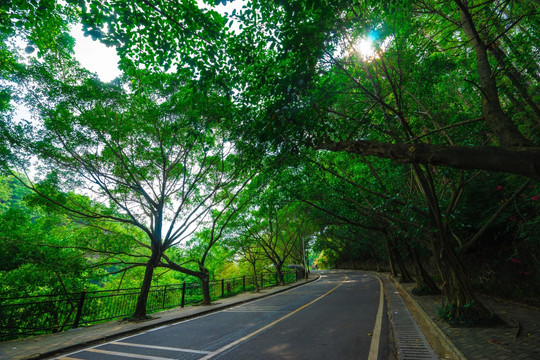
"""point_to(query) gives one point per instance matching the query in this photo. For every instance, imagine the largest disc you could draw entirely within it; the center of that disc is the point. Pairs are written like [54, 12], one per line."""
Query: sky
[95, 56]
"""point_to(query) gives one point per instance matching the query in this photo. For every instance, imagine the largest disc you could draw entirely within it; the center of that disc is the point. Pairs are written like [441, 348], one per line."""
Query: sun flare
[364, 48]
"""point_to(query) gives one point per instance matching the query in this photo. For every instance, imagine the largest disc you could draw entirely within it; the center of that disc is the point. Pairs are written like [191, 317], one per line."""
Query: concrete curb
[145, 327]
[450, 347]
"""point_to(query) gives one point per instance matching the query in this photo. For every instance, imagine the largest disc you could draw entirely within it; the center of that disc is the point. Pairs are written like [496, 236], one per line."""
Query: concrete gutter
[440, 342]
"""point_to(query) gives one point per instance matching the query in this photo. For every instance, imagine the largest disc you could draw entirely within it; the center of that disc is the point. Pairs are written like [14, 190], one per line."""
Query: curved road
[338, 316]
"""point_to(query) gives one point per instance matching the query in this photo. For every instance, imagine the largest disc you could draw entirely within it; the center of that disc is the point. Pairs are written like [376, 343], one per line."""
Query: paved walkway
[519, 340]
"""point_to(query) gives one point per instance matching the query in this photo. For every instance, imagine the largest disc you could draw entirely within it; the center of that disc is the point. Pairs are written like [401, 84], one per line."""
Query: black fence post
[164, 296]
[222, 287]
[244, 283]
[183, 294]
[79, 309]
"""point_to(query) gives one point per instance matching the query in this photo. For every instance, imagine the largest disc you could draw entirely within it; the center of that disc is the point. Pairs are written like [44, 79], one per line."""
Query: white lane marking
[160, 347]
[248, 336]
[128, 355]
[376, 335]
[258, 311]
[158, 328]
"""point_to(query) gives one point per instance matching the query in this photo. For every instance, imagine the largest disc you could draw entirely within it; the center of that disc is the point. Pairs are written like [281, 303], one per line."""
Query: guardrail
[41, 314]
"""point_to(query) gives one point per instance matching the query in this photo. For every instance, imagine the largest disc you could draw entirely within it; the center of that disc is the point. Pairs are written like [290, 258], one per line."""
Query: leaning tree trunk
[424, 283]
[255, 278]
[140, 308]
[280, 275]
[205, 286]
[500, 124]
[375, 256]
[391, 262]
[405, 277]
[461, 305]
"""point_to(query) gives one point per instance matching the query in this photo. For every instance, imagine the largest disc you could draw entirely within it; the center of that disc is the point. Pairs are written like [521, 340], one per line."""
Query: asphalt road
[332, 318]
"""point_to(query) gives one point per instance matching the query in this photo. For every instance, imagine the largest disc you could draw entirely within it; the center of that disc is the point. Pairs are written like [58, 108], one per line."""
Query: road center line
[159, 347]
[248, 336]
[375, 338]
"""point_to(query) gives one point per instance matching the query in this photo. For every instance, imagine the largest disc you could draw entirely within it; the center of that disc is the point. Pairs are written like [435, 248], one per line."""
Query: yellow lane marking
[241, 340]
[375, 339]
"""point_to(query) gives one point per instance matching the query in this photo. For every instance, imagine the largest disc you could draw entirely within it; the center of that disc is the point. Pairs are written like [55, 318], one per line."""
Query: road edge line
[376, 335]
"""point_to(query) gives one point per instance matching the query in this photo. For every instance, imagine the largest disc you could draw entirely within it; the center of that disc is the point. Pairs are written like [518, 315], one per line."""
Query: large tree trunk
[500, 124]
[461, 305]
[375, 256]
[424, 283]
[520, 161]
[281, 277]
[205, 286]
[391, 263]
[404, 277]
[255, 278]
[140, 308]
[515, 77]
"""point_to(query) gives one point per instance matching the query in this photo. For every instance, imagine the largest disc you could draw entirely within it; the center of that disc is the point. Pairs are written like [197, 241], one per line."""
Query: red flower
[499, 187]
[513, 218]
[536, 197]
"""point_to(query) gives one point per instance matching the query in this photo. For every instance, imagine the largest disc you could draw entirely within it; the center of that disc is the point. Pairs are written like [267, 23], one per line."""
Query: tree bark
[375, 256]
[279, 273]
[391, 259]
[405, 277]
[424, 282]
[255, 278]
[500, 124]
[205, 286]
[140, 308]
[519, 161]
[516, 79]
[462, 306]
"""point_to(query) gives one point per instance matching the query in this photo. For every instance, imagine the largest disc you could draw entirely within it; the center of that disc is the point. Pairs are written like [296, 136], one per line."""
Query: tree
[150, 152]
[278, 231]
[224, 208]
[388, 106]
[247, 248]
[410, 103]
[450, 84]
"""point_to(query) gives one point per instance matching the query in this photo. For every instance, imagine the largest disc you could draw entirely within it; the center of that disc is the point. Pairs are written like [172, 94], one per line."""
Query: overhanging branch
[514, 160]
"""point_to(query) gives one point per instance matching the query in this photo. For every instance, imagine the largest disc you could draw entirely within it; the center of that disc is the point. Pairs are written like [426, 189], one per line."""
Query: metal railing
[40, 314]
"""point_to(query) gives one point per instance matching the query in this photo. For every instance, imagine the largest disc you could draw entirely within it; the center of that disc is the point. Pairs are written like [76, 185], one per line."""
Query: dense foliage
[238, 137]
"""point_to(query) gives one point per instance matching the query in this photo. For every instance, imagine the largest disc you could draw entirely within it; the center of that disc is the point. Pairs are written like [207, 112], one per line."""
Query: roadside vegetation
[398, 136]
